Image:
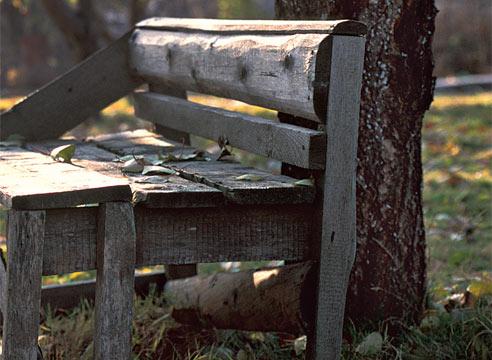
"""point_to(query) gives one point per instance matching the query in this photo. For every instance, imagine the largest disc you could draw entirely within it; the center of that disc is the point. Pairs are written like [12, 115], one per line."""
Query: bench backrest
[294, 67]
[308, 69]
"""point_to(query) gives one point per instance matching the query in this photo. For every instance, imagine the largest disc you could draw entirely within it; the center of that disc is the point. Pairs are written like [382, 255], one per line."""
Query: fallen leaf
[133, 166]
[157, 170]
[304, 182]
[126, 158]
[63, 153]
[249, 177]
[371, 345]
[300, 345]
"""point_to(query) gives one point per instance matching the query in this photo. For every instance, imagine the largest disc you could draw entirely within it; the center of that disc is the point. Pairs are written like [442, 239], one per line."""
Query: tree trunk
[275, 299]
[388, 281]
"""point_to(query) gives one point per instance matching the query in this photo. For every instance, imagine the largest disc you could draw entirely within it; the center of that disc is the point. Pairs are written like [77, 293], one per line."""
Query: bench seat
[31, 179]
[200, 214]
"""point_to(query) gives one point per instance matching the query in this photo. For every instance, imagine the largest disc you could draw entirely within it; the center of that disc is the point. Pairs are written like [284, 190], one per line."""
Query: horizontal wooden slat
[183, 236]
[288, 73]
[74, 96]
[347, 27]
[222, 175]
[29, 180]
[153, 191]
[68, 296]
[288, 143]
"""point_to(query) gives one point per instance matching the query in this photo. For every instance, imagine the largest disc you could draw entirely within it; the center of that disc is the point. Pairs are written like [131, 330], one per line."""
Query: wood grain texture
[231, 233]
[3, 284]
[70, 240]
[29, 180]
[114, 281]
[68, 296]
[73, 97]
[223, 175]
[187, 270]
[267, 299]
[152, 190]
[347, 27]
[280, 72]
[338, 239]
[292, 144]
[25, 235]
[184, 236]
[220, 175]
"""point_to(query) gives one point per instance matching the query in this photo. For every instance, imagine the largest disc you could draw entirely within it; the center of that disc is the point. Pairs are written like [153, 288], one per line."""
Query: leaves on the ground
[133, 166]
[249, 177]
[371, 345]
[63, 153]
[157, 170]
[304, 182]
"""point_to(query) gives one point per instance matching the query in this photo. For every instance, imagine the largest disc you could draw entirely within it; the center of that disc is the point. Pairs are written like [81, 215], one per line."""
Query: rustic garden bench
[88, 214]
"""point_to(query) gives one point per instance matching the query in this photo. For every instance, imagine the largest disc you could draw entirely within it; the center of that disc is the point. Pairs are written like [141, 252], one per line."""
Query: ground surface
[457, 160]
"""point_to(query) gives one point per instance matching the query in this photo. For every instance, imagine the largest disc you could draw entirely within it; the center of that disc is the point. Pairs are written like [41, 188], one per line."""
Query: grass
[457, 159]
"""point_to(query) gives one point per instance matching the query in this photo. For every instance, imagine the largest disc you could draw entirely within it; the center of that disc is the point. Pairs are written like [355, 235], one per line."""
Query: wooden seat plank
[223, 175]
[30, 180]
[152, 191]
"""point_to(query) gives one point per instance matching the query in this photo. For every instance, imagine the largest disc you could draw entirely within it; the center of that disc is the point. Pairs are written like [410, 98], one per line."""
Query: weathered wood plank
[70, 240]
[266, 189]
[281, 72]
[338, 239]
[347, 27]
[222, 175]
[184, 236]
[23, 293]
[152, 190]
[187, 270]
[292, 144]
[3, 284]
[115, 281]
[231, 233]
[68, 296]
[73, 97]
[29, 180]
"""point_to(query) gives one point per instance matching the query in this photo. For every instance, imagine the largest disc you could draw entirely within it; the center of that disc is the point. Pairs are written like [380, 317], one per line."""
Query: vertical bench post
[114, 281]
[338, 238]
[25, 237]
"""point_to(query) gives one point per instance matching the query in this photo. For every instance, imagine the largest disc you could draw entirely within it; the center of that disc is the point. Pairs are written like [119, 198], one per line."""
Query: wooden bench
[90, 215]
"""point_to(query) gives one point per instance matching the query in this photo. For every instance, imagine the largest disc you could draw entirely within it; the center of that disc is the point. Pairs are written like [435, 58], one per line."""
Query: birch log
[272, 299]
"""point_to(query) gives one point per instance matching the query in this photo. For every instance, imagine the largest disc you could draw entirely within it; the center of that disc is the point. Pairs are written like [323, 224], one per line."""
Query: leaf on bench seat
[63, 153]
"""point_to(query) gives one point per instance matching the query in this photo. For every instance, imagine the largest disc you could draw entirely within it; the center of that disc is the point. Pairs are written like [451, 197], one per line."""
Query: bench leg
[114, 281]
[338, 238]
[25, 237]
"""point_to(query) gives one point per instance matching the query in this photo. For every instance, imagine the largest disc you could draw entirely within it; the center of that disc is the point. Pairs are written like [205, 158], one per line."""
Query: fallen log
[272, 299]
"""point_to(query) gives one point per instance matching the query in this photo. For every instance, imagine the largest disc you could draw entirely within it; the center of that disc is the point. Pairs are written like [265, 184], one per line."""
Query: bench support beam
[114, 281]
[23, 284]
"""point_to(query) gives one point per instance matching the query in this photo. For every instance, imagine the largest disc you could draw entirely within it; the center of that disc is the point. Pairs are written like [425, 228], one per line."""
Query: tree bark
[388, 281]
[273, 299]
